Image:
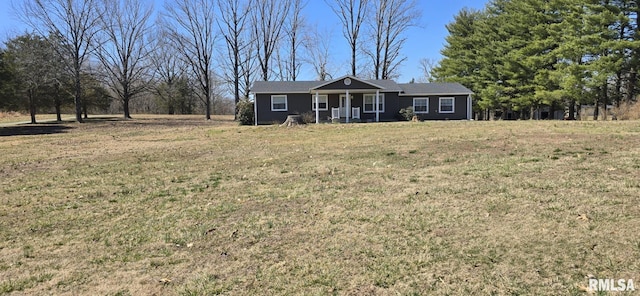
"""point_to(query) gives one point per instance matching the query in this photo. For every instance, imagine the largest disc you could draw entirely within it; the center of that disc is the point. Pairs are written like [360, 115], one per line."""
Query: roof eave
[435, 94]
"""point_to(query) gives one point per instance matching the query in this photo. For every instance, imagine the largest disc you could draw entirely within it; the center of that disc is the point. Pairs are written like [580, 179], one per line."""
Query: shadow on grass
[33, 129]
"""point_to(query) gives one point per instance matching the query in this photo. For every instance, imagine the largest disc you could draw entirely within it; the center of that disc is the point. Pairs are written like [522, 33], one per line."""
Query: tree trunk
[125, 106]
[58, 112]
[353, 59]
[78, 93]
[596, 110]
[84, 109]
[32, 107]
[572, 110]
[208, 107]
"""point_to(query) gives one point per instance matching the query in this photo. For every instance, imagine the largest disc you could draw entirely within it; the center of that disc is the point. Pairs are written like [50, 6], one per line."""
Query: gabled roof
[353, 78]
[423, 89]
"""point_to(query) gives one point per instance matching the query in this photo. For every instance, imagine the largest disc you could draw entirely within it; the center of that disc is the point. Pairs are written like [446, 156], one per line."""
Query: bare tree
[248, 68]
[391, 20]
[426, 66]
[352, 15]
[317, 47]
[76, 23]
[169, 72]
[295, 25]
[191, 27]
[123, 49]
[268, 19]
[233, 23]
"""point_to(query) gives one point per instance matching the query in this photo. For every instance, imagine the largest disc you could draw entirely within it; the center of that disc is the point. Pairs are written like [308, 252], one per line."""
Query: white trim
[353, 78]
[453, 105]
[286, 103]
[373, 97]
[469, 107]
[414, 105]
[348, 107]
[317, 107]
[255, 110]
[320, 101]
[433, 94]
[377, 105]
[288, 92]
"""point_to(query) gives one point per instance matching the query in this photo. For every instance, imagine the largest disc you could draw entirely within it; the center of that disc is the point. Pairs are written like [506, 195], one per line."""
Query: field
[180, 206]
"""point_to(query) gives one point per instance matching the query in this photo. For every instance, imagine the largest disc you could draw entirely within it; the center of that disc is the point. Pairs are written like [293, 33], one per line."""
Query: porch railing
[335, 113]
[355, 113]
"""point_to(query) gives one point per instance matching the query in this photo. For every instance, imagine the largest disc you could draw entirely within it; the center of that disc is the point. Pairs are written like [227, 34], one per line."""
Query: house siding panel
[434, 101]
[302, 103]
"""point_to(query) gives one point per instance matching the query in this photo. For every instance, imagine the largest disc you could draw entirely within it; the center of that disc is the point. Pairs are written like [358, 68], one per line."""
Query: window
[421, 105]
[322, 103]
[370, 103]
[279, 103]
[447, 105]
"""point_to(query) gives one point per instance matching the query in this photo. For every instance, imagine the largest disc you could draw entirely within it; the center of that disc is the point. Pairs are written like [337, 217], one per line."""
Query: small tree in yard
[245, 112]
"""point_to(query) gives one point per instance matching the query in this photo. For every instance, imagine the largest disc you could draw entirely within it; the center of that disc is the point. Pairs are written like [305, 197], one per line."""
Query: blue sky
[424, 41]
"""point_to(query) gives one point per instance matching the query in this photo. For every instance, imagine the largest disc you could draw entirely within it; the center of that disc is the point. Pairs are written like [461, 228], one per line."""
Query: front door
[343, 105]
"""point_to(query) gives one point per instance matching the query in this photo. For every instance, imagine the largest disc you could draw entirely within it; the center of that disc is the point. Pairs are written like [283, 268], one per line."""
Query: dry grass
[179, 206]
[11, 117]
[628, 111]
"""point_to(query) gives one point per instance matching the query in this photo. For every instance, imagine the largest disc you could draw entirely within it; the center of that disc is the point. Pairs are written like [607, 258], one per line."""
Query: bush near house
[245, 112]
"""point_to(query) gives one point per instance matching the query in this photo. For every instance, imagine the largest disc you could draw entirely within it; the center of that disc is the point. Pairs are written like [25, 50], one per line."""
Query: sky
[423, 41]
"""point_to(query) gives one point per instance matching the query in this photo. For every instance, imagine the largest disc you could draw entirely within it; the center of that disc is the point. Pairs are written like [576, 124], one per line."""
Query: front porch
[346, 100]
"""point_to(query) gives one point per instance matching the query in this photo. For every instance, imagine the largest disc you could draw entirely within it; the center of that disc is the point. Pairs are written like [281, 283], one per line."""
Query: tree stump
[292, 120]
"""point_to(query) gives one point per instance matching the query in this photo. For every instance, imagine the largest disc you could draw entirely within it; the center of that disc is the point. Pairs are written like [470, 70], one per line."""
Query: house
[369, 100]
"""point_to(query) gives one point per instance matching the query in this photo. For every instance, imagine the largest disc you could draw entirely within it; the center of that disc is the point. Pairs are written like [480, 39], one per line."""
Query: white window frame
[373, 103]
[453, 104]
[414, 105]
[286, 103]
[321, 99]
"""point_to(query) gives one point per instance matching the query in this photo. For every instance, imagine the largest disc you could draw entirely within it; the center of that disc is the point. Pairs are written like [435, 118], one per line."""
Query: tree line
[187, 55]
[520, 56]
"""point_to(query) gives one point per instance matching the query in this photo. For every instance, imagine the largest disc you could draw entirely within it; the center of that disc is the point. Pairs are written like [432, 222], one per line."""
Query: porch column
[377, 105]
[317, 109]
[348, 107]
[255, 109]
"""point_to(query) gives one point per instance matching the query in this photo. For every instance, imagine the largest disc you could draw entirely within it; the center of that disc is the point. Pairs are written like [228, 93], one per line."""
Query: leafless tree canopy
[268, 19]
[387, 28]
[233, 24]
[426, 67]
[191, 27]
[123, 49]
[76, 22]
[318, 55]
[352, 15]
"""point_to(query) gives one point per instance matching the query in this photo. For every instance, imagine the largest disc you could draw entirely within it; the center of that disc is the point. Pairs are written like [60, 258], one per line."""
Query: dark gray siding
[296, 104]
[302, 103]
[460, 108]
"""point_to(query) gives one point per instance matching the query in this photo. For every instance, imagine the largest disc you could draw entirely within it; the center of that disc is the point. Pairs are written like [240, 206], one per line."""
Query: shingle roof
[406, 89]
[434, 89]
[284, 86]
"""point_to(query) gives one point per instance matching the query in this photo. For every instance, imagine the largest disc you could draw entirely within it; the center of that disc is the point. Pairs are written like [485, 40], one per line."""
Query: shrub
[308, 117]
[407, 113]
[245, 112]
[627, 111]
